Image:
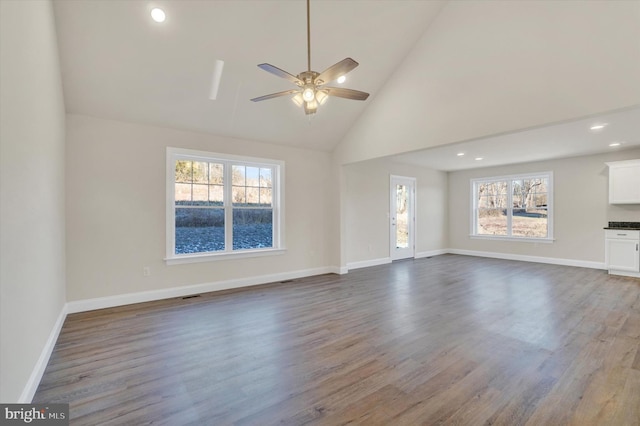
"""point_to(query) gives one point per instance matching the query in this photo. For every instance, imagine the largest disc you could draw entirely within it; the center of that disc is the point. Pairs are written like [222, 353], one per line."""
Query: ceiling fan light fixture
[308, 94]
[311, 91]
[297, 99]
[321, 97]
[310, 107]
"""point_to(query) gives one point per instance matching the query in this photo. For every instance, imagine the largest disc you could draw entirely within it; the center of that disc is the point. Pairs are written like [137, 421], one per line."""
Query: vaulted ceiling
[439, 72]
[118, 63]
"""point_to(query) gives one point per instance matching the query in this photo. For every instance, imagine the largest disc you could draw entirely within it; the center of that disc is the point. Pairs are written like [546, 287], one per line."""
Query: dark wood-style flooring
[446, 340]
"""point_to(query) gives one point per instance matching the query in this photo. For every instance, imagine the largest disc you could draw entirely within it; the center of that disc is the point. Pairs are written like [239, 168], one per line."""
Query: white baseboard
[38, 370]
[494, 255]
[340, 270]
[167, 293]
[624, 273]
[525, 258]
[148, 296]
[368, 263]
[430, 253]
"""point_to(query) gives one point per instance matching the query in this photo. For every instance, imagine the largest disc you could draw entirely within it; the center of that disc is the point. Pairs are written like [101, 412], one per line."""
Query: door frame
[394, 254]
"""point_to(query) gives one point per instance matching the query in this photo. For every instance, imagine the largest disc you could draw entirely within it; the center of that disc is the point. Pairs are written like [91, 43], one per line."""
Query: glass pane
[183, 171]
[252, 176]
[529, 223]
[200, 172]
[239, 195]
[252, 228]
[492, 222]
[492, 195]
[519, 194]
[183, 193]
[216, 194]
[265, 178]
[200, 193]
[237, 175]
[216, 173]
[402, 217]
[265, 197]
[199, 230]
[253, 195]
[540, 200]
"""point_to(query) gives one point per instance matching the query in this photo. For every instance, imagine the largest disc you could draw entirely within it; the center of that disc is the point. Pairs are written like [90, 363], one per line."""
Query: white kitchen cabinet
[622, 252]
[624, 182]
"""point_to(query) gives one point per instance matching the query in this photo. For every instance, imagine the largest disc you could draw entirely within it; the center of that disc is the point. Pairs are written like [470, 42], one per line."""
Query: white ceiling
[118, 64]
[556, 141]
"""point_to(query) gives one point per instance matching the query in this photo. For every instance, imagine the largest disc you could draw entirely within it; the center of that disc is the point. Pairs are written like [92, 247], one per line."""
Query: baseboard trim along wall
[167, 293]
[431, 253]
[148, 296]
[536, 259]
[368, 263]
[494, 255]
[38, 370]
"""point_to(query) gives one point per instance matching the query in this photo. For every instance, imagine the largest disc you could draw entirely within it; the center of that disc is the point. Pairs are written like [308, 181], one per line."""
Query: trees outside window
[513, 207]
[220, 204]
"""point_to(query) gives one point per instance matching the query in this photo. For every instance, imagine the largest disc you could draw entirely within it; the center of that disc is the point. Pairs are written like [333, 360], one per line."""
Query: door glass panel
[402, 217]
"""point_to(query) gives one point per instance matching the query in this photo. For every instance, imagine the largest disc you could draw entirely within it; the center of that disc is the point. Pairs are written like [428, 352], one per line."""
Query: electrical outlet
[146, 271]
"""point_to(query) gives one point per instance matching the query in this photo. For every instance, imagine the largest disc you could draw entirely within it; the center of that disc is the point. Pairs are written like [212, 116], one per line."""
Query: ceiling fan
[311, 90]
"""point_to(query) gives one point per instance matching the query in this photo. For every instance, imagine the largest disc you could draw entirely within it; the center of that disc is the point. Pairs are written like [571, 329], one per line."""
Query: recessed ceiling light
[614, 144]
[478, 158]
[158, 14]
[341, 79]
[598, 126]
[460, 154]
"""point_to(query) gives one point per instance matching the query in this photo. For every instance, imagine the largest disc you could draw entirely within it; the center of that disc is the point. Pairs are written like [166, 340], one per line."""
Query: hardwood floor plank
[444, 340]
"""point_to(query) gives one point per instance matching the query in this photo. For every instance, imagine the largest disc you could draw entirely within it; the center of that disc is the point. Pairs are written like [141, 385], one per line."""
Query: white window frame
[510, 178]
[174, 154]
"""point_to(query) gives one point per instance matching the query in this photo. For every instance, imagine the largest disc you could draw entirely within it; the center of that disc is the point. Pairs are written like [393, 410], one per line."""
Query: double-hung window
[516, 207]
[221, 205]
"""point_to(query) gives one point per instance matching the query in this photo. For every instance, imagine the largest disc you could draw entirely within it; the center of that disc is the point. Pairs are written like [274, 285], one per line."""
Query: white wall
[116, 209]
[489, 67]
[581, 208]
[367, 199]
[32, 216]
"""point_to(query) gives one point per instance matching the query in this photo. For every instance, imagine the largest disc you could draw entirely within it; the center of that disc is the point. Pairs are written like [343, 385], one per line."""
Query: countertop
[627, 226]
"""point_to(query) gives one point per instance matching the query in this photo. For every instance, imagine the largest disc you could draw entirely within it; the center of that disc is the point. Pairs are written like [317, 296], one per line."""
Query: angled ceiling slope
[487, 68]
[119, 64]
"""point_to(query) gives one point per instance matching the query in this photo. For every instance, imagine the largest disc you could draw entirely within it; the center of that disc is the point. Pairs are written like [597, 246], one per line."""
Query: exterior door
[402, 217]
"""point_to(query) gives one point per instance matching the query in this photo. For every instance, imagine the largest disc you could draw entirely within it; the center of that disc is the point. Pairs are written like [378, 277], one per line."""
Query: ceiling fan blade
[336, 70]
[356, 95]
[275, 95]
[281, 73]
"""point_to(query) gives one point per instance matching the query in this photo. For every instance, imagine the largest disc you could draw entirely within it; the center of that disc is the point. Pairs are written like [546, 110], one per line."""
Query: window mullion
[509, 207]
[475, 202]
[228, 208]
[275, 214]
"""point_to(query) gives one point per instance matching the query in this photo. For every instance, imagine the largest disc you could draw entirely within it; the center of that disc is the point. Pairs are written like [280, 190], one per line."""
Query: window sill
[211, 257]
[517, 239]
